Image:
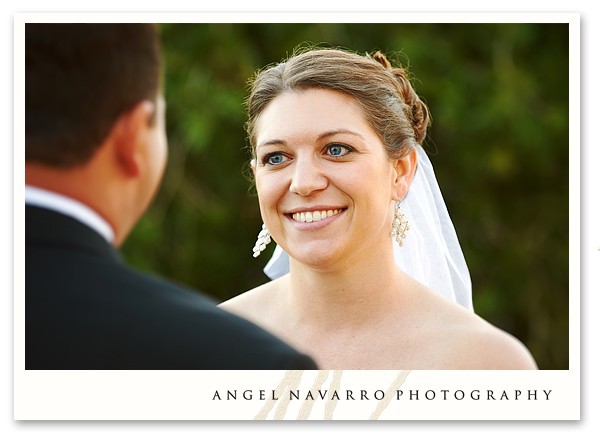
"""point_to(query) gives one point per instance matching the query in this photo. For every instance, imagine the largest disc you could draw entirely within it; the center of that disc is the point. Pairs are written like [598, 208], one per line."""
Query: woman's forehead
[312, 112]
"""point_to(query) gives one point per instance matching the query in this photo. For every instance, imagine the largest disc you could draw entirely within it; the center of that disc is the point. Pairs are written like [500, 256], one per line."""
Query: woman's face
[325, 183]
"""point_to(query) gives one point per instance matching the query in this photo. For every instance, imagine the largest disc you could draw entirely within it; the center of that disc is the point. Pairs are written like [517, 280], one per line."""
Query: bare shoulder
[479, 345]
[255, 304]
[471, 343]
[489, 347]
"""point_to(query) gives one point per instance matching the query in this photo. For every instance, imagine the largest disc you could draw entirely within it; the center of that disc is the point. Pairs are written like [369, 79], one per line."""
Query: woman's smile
[312, 219]
[314, 215]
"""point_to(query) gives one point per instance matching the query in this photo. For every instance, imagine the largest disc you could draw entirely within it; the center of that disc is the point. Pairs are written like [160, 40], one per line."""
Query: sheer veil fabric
[431, 253]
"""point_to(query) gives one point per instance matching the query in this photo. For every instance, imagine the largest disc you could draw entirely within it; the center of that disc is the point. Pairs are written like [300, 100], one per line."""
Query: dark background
[498, 94]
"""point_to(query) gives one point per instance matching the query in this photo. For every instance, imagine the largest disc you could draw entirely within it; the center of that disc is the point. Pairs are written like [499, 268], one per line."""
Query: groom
[94, 157]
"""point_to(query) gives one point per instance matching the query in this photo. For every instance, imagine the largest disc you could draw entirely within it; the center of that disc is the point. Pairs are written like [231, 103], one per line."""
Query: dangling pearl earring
[400, 225]
[264, 237]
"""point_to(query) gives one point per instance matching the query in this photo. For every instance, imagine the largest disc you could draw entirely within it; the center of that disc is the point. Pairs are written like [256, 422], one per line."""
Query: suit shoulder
[235, 342]
[109, 316]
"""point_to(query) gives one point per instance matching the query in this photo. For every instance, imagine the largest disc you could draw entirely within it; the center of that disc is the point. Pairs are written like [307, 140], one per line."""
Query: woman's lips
[314, 219]
[314, 216]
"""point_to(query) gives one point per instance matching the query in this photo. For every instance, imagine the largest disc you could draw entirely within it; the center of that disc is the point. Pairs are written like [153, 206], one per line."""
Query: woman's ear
[253, 165]
[130, 137]
[404, 171]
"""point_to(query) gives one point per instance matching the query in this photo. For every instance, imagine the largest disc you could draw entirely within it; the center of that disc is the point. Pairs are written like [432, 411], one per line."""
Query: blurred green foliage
[498, 94]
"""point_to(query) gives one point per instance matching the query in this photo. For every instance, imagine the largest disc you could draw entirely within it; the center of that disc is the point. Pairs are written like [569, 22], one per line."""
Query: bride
[336, 147]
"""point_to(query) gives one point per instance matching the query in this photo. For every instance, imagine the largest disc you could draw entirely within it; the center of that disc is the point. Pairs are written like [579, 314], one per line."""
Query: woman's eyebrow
[321, 136]
[340, 131]
[271, 142]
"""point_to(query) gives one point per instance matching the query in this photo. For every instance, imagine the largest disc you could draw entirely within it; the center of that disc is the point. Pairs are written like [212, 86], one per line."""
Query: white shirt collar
[35, 196]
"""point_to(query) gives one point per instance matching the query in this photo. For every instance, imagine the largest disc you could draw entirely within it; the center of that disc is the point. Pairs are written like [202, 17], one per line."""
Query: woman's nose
[307, 177]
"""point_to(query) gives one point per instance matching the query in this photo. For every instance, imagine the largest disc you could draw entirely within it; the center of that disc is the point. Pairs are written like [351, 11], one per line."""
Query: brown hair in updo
[389, 102]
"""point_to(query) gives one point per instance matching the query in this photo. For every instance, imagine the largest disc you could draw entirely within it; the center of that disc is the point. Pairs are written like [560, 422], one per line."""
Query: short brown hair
[79, 78]
[388, 100]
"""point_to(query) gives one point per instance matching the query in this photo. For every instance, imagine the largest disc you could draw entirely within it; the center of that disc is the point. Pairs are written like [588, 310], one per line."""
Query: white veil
[431, 253]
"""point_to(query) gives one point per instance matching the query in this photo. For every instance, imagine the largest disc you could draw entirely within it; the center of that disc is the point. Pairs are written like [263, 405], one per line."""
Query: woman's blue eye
[338, 150]
[335, 150]
[273, 159]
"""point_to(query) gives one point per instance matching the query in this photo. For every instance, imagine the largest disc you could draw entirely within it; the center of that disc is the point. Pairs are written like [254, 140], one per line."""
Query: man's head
[79, 78]
[94, 116]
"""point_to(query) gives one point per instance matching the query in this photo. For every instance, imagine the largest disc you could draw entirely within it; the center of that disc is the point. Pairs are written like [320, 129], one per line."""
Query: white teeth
[311, 217]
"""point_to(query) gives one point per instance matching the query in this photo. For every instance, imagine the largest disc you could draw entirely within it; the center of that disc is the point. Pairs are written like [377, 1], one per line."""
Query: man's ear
[129, 137]
[404, 171]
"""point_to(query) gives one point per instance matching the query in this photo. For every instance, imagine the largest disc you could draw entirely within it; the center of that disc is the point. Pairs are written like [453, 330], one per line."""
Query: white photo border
[190, 395]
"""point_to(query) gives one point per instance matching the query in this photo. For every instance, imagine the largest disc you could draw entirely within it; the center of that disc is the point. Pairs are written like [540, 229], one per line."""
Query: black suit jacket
[84, 309]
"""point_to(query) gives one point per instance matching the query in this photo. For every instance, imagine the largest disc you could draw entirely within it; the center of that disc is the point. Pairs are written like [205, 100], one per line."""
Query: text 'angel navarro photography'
[378, 395]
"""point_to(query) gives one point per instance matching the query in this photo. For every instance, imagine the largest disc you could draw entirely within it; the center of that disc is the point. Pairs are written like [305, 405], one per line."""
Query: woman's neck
[347, 296]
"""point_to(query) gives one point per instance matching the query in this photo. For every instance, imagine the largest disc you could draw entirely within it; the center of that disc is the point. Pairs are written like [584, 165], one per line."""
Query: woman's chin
[319, 258]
